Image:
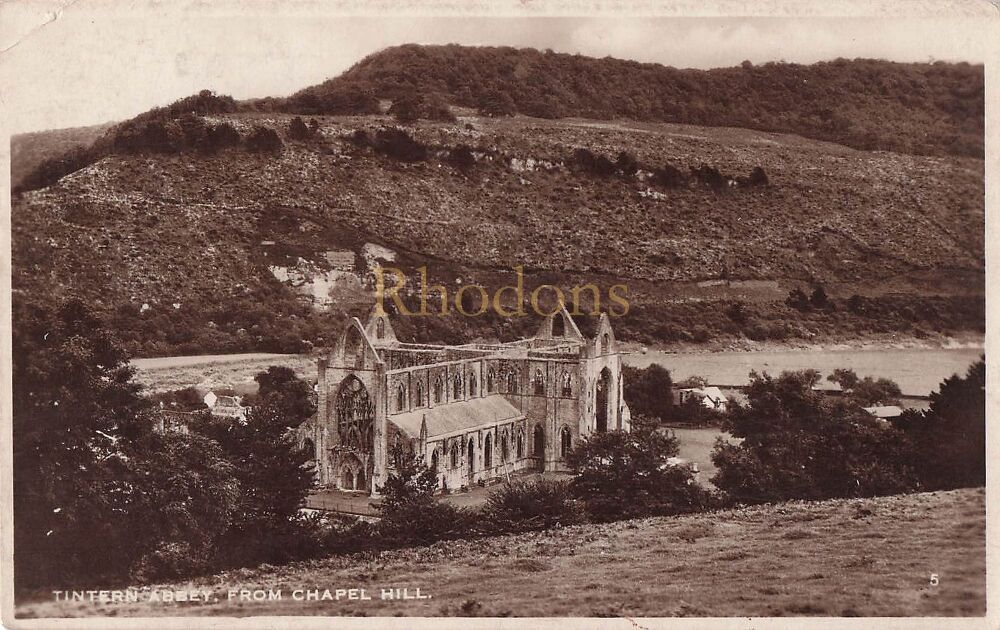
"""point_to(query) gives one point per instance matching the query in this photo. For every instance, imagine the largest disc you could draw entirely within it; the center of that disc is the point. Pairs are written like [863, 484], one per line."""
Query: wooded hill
[930, 109]
[711, 227]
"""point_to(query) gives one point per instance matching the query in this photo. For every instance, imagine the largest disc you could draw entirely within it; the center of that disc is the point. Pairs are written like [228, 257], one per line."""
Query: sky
[70, 63]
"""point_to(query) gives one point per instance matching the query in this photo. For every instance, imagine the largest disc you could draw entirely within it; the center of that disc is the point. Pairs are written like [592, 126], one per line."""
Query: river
[917, 371]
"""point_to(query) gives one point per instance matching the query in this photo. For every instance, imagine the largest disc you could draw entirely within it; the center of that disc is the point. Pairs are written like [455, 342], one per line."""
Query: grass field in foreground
[870, 557]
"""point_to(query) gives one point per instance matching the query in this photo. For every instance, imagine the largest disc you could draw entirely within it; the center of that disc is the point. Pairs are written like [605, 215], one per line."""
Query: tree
[819, 299]
[275, 475]
[950, 437]
[297, 129]
[73, 402]
[626, 474]
[800, 444]
[409, 512]
[648, 391]
[798, 300]
[495, 103]
[407, 109]
[869, 391]
[264, 140]
[845, 377]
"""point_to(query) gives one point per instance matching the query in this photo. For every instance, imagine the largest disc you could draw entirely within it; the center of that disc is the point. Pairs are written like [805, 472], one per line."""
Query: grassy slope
[140, 225]
[870, 557]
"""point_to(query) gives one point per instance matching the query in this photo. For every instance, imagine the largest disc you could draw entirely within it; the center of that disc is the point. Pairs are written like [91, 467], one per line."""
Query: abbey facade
[475, 412]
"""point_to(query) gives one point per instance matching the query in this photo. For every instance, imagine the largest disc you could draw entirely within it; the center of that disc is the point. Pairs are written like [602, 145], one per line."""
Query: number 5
[934, 579]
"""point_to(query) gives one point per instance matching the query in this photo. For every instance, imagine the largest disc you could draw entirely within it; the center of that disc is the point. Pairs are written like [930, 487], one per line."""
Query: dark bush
[758, 177]
[496, 103]
[462, 157]
[264, 140]
[53, 169]
[710, 177]
[529, 505]
[801, 444]
[220, 136]
[628, 474]
[627, 164]
[669, 176]
[297, 129]
[798, 300]
[593, 164]
[648, 391]
[398, 145]
[407, 109]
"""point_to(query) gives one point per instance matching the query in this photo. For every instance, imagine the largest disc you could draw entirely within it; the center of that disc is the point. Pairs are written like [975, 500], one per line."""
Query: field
[867, 557]
[216, 370]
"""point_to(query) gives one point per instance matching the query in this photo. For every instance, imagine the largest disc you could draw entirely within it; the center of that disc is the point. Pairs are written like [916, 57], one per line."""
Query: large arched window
[512, 382]
[539, 441]
[438, 389]
[309, 447]
[472, 384]
[434, 460]
[488, 452]
[538, 382]
[355, 413]
[567, 384]
[454, 454]
[380, 328]
[418, 393]
[504, 447]
[400, 397]
[520, 443]
[605, 343]
[565, 442]
[491, 377]
[457, 386]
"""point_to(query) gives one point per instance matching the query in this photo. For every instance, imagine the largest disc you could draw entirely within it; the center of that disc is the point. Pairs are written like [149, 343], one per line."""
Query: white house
[710, 396]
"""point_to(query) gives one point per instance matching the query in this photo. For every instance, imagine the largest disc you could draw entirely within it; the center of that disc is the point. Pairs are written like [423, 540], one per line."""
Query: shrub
[297, 129]
[529, 505]
[407, 109]
[398, 145]
[495, 103]
[669, 176]
[798, 300]
[593, 164]
[264, 140]
[628, 474]
[52, 170]
[647, 391]
[800, 444]
[462, 157]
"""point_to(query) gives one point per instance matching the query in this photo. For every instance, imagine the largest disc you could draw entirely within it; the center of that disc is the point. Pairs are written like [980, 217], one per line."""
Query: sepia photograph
[535, 311]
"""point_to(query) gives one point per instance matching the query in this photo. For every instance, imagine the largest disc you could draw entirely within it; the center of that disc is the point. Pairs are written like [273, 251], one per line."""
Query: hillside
[29, 150]
[858, 557]
[933, 109]
[201, 239]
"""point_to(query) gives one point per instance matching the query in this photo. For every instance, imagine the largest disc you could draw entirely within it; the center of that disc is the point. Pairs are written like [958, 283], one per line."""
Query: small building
[225, 406]
[711, 397]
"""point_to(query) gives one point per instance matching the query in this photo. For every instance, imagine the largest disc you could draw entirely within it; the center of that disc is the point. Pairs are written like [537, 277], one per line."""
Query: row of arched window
[455, 448]
[512, 377]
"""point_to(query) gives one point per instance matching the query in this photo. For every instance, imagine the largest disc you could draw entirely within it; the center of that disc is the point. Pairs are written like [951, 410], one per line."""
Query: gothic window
[355, 415]
[567, 384]
[520, 443]
[472, 384]
[401, 398]
[434, 460]
[438, 389]
[458, 386]
[418, 394]
[380, 328]
[538, 383]
[605, 343]
[488, 452]
[491, 377]
[504, 449]
[565, 442]
[512, 382]
[454, 454]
